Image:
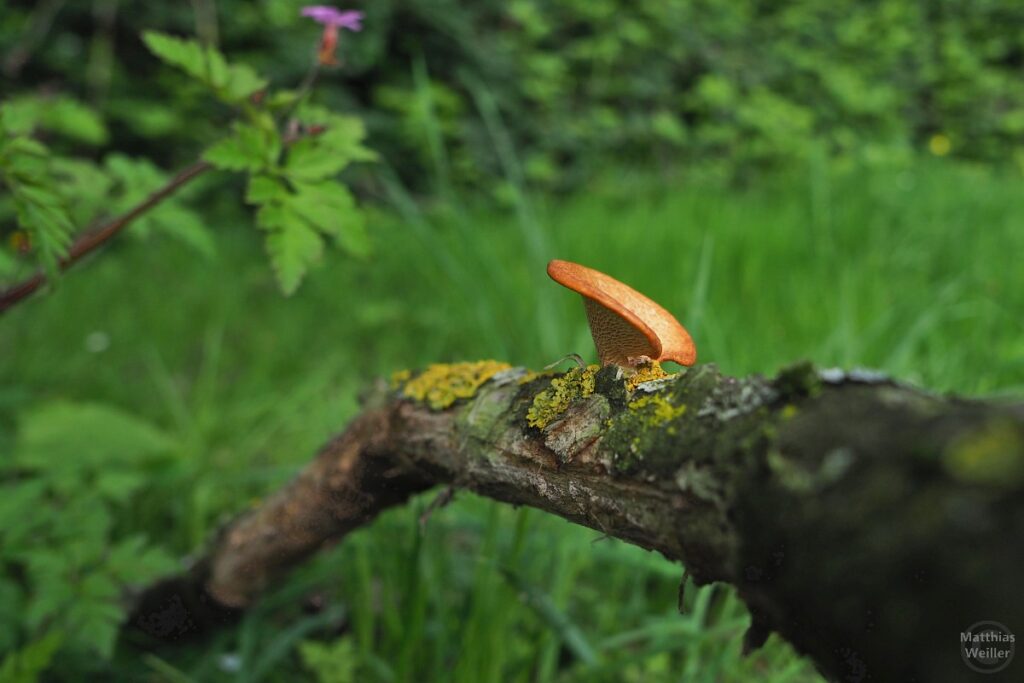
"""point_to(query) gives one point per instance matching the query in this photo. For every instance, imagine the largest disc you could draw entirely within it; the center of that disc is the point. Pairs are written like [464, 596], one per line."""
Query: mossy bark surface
[866, 521]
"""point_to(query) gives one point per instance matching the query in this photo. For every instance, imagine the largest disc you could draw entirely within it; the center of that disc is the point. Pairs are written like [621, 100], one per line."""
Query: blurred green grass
[914, 270]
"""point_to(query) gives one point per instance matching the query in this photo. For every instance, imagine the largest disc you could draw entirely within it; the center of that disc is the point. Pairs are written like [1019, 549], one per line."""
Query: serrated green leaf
[242, 82]
[273, 216]
[132, 561]
[352, 235]
[330, 207]
[187, 55]
[135, 179]
[331, 662]
[233, 154]
[51, 594]
[217, 70]
[48, 225]
[248, 149]
[96, 624]
[308, 159]
[293, 248]
[59, 114]
[344, 135]
[40, 209]
[84, 186]
[25, 146]
[231, 82]
[74, 120]
[321, 203]
[263, 189]
[43, 197]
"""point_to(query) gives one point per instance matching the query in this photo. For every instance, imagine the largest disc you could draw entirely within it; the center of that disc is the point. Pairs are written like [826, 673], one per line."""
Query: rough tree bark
[867, 522]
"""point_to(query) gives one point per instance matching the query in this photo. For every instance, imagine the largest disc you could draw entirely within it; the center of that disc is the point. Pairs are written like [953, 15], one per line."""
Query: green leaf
[330, 663]
[344, 135]
[248, 149]
[293, 248]
[59, 114]
[51, 593]
[331, 208]
[132, 561]
[242, 82]
[308, 159]
[233, 83]
[187, 55]
[233, 154]
[28, 664]
[64, 435]
[41, 213]
[274, 216]
[96, 624]
[263, 189]
[85, 187]
[320, 156]
[15, 148]
[40, 209]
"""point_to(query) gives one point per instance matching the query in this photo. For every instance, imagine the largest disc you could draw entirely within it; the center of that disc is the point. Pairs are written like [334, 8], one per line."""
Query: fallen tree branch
[867, 522]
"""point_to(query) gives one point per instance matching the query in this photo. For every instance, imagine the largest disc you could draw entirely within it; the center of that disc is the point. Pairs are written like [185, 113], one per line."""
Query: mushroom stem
[628, 328]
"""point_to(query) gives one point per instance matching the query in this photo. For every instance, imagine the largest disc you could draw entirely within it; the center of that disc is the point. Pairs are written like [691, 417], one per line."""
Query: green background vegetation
[833, 181]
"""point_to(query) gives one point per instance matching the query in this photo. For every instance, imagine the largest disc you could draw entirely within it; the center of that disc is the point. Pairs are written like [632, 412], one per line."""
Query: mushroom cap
[624, 323]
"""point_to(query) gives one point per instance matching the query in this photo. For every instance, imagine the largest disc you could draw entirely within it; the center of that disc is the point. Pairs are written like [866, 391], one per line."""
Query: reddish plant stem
[94, 239]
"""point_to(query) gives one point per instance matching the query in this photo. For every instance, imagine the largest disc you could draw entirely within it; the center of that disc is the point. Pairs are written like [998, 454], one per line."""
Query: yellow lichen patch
[645, 372]
[442, 384]
[657, 409]
[553, 401]
[400, 377]
[992, 455]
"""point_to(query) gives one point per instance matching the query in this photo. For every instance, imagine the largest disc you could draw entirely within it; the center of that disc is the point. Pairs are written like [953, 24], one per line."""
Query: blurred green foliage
[67, 548]
[733, 84]
[292, 174]
[159, 393]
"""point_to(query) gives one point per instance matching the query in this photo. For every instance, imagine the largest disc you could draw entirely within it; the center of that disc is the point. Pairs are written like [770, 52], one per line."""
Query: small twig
[304, 89]
[680, 604]
[92, 240]
[441, 500]
[574, 357]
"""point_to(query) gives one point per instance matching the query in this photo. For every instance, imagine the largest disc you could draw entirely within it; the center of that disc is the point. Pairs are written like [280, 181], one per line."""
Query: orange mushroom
[627, 327]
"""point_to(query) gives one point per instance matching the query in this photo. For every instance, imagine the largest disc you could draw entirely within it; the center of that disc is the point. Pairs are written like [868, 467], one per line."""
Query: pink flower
[332, 16]
[333, 19]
